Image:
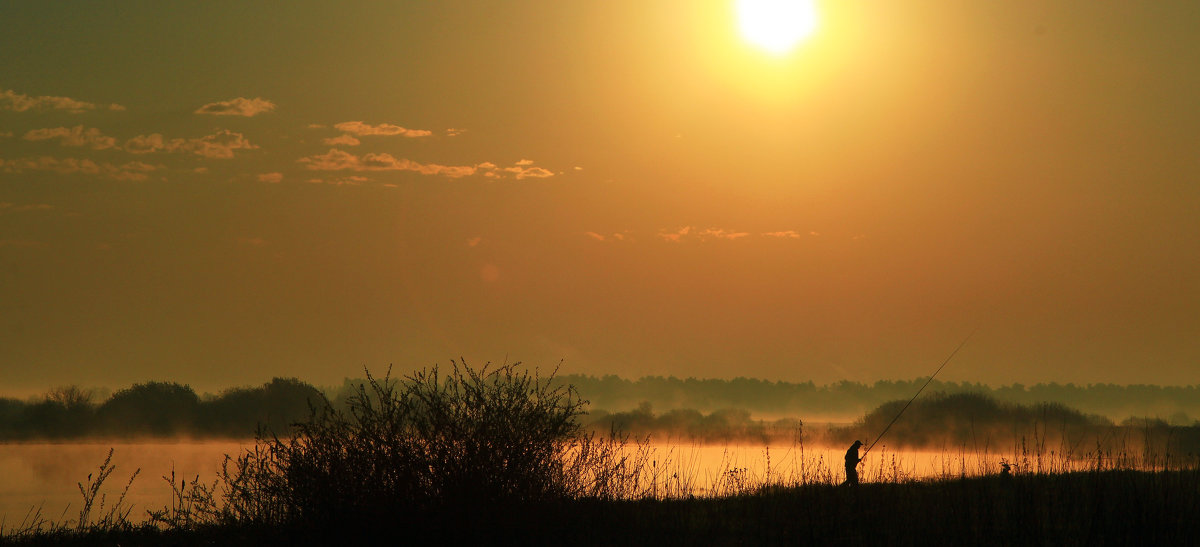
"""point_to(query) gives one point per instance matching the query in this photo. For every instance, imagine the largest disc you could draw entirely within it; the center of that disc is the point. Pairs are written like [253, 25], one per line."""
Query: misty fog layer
[693, 410]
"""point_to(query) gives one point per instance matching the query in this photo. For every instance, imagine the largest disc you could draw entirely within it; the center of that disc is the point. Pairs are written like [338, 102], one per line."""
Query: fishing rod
[914, 397]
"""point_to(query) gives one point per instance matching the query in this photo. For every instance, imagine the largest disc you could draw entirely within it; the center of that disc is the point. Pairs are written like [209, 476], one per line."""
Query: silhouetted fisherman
[852, 460]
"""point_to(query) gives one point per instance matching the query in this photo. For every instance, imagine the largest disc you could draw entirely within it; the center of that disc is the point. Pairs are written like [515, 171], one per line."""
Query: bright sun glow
[776, 25]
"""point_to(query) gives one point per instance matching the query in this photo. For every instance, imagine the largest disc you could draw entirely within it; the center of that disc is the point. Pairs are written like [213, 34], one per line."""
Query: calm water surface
[46, 475]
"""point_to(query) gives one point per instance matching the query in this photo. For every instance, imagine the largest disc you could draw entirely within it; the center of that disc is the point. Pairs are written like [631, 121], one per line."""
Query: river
[45, 476]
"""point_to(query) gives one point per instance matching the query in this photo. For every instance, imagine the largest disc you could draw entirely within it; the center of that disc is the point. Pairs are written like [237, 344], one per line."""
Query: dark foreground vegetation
[499, 456]
[1087, 508]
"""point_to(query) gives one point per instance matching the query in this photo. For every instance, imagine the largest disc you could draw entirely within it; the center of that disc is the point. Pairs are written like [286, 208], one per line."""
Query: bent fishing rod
[914, 397]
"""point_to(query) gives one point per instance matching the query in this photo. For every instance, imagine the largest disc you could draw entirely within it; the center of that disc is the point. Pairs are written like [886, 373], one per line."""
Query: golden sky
[221, 192]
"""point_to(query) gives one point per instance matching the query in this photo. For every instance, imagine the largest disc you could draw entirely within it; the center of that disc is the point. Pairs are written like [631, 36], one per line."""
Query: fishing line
[914, 397]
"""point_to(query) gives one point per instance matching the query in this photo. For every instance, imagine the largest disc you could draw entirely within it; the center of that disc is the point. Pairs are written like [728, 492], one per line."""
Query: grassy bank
[1101, 508]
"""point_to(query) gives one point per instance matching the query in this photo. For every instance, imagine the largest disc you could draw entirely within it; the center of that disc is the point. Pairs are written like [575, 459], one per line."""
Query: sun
[776, 25]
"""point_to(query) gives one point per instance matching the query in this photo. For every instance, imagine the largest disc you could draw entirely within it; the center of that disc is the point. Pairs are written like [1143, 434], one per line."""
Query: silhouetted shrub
[482, 440]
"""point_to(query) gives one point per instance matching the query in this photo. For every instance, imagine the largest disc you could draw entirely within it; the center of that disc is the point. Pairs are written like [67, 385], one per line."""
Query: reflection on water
[46, 475]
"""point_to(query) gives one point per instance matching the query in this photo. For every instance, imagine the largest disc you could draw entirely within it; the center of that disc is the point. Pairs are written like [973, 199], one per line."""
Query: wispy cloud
[73, 136]
[521, 170]
[387, 129]
[789, 234]
[17, 102]
[352, 180]
[529, 172]
[718, 233]
[338, 160]
[240, 106]
[474, 241]
[134, 170]
[453, 132]
[270, 177]
[218, 145]
[6, 207]
[345, 139]
[675, 236]
[616, 236]
[707, 234]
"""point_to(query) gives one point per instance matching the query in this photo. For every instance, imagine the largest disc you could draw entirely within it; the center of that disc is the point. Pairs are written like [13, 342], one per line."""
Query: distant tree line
[846, 400]
[728, 425]
[707, 410]
[157, 409]
[941, 421]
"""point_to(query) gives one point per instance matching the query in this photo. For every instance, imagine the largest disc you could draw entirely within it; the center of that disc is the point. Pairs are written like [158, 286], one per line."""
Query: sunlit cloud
[691, 233]
[474, 241]
[785, 234]
[529, 172]
[675, 236]
[73, 136]
[386, 129]
[345, 139]
[17, 102]
[452, 132]
[270, 177]
[338, 160]
[521, 170]
[616, 236]
[240, 106]
[352, 180]
[134, 170]
[718, 233]
[218, 145]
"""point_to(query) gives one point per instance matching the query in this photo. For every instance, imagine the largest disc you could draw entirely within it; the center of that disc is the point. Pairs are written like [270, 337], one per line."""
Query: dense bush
[470, 440]
[973, 420]
[275, 406]
[155, 408]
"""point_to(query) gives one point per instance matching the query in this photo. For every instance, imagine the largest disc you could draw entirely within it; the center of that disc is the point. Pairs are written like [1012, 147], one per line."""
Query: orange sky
[221, 193]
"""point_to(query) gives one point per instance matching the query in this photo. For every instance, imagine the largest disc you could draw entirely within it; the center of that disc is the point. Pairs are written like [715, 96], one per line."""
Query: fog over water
[46, 475]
